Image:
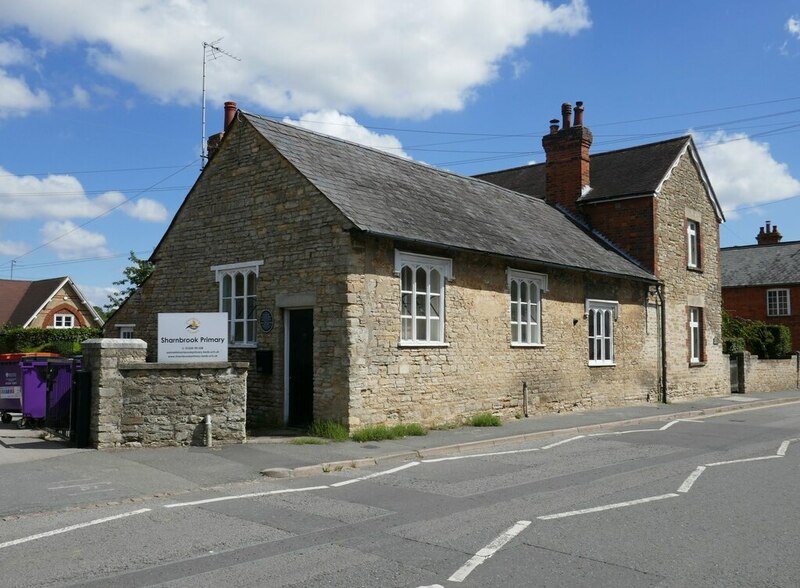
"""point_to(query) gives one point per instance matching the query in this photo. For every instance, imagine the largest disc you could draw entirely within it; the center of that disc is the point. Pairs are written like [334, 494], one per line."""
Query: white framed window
[601, 315]
[63, 321]
[422, 299]
[692, 244]
[237, 298]
[525, 292]
[695, 334]
[778, 303]
[125, 331]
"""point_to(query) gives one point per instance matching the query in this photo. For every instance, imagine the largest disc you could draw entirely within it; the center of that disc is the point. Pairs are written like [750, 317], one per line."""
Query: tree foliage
[135, 275]
[759, 338]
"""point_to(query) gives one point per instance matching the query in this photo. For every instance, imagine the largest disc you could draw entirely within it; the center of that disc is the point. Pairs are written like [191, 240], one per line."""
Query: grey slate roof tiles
[626, 172]
[761, 265]
[398, 198]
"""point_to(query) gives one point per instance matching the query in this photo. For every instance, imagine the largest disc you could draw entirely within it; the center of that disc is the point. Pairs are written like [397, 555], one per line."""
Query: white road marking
[557, 443]
[240, 496]
[488, 551]
[572, 513]
[669, 424]
[81, 486]
[72, 528]
[719, 463]
[410, 464]
[687, 483]
[493, 454]
[784, 446]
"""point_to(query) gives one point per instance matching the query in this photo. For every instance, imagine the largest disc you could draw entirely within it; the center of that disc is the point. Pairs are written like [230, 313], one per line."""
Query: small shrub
[410, 430]
[333, 430]
[484, 419]
[308, 441]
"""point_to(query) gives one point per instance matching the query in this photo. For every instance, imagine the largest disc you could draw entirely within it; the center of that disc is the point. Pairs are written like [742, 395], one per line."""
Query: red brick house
[55, 303]
[368, 288]
[762, 282]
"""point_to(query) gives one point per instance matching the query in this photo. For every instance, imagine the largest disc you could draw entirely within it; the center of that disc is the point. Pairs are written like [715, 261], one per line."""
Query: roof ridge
[762, 245]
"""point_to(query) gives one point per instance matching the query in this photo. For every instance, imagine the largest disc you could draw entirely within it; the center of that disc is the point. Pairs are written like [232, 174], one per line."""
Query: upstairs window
[601, 315]
[778, 302]
[422, 299]
[237, 298]
[693, 244]
[525, 289]
[125, 331]
[63, 321]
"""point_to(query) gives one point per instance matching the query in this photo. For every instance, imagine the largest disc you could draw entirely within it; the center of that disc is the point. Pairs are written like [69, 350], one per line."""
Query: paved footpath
[38, 474]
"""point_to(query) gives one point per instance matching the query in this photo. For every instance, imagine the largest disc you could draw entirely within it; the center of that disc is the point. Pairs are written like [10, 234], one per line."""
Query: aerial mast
[211, 51]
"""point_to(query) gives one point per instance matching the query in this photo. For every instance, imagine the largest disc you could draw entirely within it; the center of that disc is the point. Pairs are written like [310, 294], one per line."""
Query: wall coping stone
[214, 365]
[114, 344]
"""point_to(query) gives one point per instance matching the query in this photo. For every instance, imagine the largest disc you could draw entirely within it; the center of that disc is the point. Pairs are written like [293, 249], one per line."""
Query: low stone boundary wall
[767, 375]
[135, 403]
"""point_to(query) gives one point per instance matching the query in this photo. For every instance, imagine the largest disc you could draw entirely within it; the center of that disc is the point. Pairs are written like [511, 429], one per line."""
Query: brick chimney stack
[567, 158]
[767, 236]
[215, 140]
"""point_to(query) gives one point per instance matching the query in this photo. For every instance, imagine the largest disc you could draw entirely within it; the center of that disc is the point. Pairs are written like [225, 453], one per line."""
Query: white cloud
[97, 295]
[793, 26]
[13, 53]
[408, 59]
[13, 248]
[63, 196]
[743, 172]
[18, 99]
[68, 241]
[80, 97]
[330, 122]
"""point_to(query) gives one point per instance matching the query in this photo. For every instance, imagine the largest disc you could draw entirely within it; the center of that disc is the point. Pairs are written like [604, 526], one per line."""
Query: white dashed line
[377, 474]
[72, 528]
[572, 513]
[719, 463]
[687, 483]
[557, 443]
[488, 551]
[240, 496]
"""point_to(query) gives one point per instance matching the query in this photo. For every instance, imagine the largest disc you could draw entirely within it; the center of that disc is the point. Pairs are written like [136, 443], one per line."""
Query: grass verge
[484, 419]
[382, 432]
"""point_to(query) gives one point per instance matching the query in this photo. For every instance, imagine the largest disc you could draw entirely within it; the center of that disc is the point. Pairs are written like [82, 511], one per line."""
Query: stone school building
[369, 288]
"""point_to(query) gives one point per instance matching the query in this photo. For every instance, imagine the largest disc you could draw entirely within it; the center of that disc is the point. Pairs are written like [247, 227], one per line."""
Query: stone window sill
[695, 364]
[527, 345]
[413, 344]
[697, 270]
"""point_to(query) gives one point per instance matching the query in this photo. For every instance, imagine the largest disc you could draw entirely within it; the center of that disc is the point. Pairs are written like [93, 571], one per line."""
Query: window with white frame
[422, 300]
[601, 315]
[695, 334]
[63, 321]
[692, 244]
[237, 298]
[525, 290]
[125, 331]
[778, 303]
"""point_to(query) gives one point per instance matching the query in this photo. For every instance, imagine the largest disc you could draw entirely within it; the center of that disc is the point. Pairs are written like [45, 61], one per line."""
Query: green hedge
[63, 341]
[759, 338]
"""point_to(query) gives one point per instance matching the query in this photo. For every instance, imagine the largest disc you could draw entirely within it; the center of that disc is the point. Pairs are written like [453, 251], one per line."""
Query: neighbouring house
[369, 288]
[55, 303]
[759, 282]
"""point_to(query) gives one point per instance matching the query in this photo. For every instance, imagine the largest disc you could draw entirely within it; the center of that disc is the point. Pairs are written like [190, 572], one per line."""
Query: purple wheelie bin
[34, 391]
[10, 389]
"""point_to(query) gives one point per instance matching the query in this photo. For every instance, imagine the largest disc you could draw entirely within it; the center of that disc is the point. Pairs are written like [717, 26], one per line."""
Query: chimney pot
[553, 126]
[579, 113]
[230, 112]
[566, 113]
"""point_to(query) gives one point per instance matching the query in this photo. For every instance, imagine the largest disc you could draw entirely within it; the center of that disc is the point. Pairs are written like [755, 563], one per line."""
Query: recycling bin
[10, 389]
[34, 391]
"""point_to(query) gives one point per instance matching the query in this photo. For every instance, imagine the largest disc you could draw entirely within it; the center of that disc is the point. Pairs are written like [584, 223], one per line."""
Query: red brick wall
[751, 303]
[630, 224]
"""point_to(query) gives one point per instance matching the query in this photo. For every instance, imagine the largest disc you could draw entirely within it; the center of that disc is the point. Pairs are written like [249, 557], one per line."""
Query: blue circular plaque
[266, 321]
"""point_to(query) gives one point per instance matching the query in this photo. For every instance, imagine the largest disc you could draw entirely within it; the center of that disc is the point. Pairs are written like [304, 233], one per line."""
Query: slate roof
[390, 196]
[20, 299]
[761, 265]
[634, 171]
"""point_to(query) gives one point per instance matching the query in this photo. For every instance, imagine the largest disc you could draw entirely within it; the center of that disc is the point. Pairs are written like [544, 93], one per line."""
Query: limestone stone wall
[251, 205]
[134, 403]
[768, 375]
[478, 369]
[683, 197]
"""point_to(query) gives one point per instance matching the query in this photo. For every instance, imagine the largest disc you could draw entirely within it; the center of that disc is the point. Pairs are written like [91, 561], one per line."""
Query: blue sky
[100, 102]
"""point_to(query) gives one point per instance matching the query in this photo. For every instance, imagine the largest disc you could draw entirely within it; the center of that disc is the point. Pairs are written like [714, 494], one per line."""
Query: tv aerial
[211, 52]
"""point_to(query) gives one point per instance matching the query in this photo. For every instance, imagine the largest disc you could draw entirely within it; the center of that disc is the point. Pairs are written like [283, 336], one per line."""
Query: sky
[101, 118]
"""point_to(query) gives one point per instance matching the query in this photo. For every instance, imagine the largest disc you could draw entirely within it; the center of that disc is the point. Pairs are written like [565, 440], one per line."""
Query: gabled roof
[393, 197]
[22, 300]
[761, 265]
[624, 173]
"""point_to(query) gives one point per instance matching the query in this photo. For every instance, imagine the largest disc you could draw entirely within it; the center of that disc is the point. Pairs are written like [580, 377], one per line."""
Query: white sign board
[200, 337]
